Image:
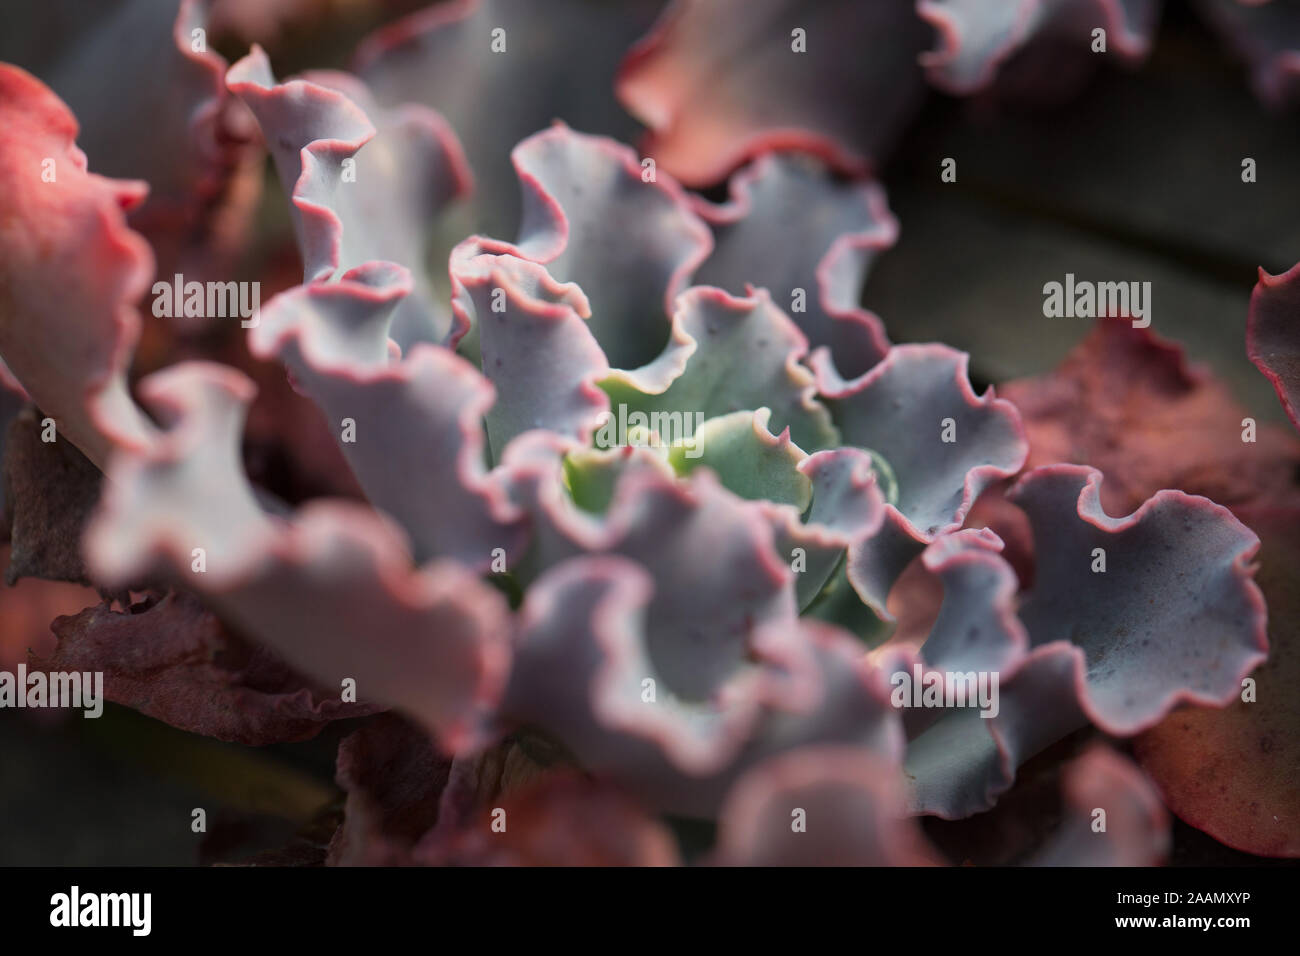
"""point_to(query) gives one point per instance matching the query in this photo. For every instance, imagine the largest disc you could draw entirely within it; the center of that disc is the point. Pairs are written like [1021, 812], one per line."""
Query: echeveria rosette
[334, 337]
[716, 717]
[654, 631]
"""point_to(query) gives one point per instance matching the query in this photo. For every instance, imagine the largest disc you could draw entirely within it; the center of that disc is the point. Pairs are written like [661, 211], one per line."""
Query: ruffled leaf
[747, 458]
[317, 589]
[629, 240]
[944, 444]
[1137, 826]
[411, 429]
[499, 70]
[1231, 772]
[137, 74]
[534, 344]
[810, 241]
[364, 182]
[820, 806]
[70, 273]
[740, 354]
[709, 550]
[1174, 617]
[584, 659]
[847, 508]
[1129, 404]
[977, 36]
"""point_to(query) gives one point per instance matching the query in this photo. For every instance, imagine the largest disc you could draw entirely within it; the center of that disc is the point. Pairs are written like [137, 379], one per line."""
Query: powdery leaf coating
[852, 808]
[1152, 422]
[581, 660]
[1175, 616]
[787, 226]
[959, 761]
[739, 354]
[977, 36]
[411, 429]
[592, 217]
[173, 660]
[719, 82]
[147, 512]
[873, 567]
[364, 182]
[1231, 773]
[70, 273]
[332, 590]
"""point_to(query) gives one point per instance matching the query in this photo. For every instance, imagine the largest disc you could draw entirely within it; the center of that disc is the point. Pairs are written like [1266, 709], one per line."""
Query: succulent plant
[631, 514]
